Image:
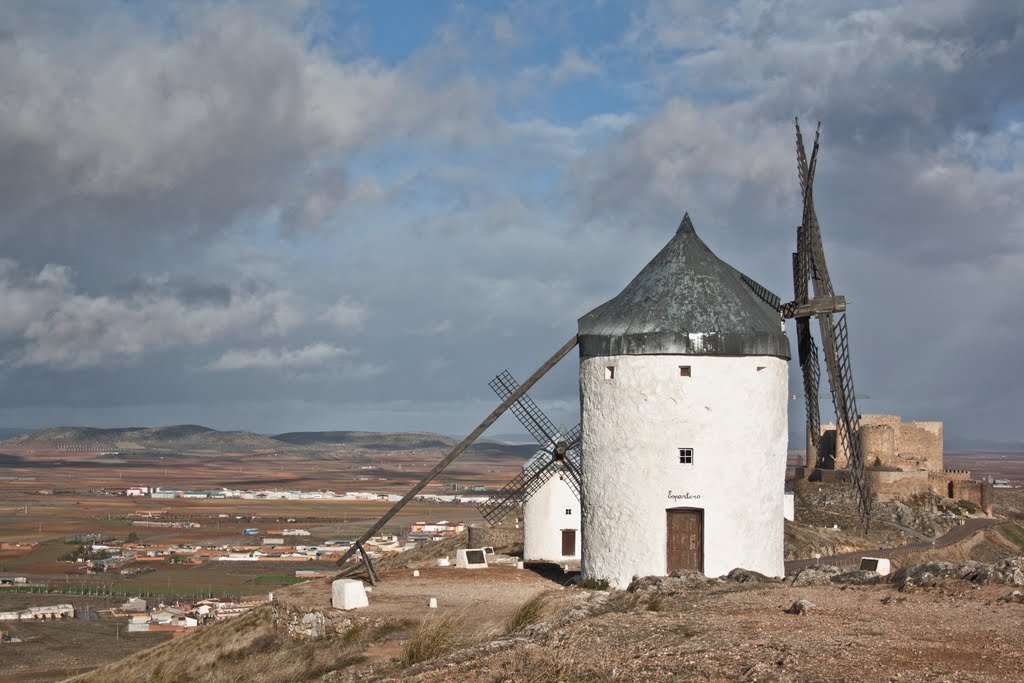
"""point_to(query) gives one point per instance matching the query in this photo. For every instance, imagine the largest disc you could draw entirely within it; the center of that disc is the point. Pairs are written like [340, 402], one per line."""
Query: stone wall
[919, 445]
[481, 536]
[887, 485]
[312, 623]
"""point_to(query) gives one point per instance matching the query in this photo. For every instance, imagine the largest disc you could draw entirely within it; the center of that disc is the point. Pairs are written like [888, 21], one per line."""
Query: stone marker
[432, 604]
[470, 558]
[415, 572]
[348, 594]
[443, 562]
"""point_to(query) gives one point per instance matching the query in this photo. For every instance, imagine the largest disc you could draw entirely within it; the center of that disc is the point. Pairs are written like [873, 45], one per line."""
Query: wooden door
[568, 542]
[685, 539]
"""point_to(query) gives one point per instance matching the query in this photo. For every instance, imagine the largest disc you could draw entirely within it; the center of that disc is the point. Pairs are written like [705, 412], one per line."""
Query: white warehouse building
[683, 386]
[551, 517]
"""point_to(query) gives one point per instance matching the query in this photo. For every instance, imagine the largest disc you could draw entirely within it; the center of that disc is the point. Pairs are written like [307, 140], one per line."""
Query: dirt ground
[732, 632]
[482, 599]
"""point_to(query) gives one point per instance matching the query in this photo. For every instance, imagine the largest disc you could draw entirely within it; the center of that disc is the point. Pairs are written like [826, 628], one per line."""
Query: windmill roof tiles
[686, 301]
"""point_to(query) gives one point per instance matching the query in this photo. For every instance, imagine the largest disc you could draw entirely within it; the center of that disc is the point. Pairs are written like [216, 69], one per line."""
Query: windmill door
[685, 539]
[568, 542]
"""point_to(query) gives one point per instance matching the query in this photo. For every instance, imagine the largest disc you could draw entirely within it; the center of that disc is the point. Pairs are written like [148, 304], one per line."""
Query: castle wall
[888, 485]
[731, 411]
[919, 445]
[958, 485]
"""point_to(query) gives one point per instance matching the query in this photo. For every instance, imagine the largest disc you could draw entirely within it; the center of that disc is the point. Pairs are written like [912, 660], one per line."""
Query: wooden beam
[816, 306]
[463, 445]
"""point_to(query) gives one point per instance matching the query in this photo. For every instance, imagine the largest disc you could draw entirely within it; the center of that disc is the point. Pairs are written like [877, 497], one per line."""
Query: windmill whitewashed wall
[684, 388]
[551, 518]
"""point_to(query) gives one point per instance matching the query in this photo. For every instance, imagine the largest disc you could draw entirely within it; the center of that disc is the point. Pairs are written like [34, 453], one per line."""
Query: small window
[609, 372]
[685, 456]
[760, 368]
[684, 370]
[568, 511]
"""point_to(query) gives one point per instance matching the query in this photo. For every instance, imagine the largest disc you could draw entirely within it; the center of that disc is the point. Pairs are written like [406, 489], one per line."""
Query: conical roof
[686, 301]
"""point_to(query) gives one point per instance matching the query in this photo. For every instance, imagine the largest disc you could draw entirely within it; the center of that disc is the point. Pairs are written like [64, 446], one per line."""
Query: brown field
[999, 465]
[50, 494]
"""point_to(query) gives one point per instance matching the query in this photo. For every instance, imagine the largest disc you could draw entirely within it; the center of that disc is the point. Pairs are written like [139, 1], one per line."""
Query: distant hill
[371, 440]
[199, 438]
[11, 432]
[180, 437]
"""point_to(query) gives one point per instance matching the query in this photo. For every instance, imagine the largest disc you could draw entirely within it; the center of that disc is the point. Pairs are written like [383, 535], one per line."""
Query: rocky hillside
[821, 624]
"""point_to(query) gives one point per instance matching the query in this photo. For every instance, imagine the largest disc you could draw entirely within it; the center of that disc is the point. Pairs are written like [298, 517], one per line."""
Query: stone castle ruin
[905, 459]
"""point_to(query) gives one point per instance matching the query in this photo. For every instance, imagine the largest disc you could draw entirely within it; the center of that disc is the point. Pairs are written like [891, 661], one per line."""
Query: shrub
[528, 613]
[593, 584]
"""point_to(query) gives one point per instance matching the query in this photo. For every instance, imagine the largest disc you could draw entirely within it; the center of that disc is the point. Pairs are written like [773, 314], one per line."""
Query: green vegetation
[593, 584]
[1012, 532]
[278, 579]
[84, 553]
[528, 613]
[436, 636]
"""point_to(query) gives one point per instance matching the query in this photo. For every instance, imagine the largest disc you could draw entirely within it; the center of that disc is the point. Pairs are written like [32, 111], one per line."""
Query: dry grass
[528, 613]
[245, 648]
[436, 636]
[539, 664]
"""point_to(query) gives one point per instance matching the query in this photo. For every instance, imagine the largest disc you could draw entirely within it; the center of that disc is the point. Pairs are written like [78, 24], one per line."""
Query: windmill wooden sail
[816, 298]
[563, 453]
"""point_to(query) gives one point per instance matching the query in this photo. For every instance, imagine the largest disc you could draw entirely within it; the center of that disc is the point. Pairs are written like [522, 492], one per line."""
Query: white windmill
[683, 384]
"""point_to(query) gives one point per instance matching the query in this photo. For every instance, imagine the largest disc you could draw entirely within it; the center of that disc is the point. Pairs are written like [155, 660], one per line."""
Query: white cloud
[305, 358]
[574, 66]
[234, 111]
[345, 314]
[48, 322]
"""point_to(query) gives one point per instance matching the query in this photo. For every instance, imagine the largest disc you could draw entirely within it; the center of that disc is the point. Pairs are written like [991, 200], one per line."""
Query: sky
[291, 215]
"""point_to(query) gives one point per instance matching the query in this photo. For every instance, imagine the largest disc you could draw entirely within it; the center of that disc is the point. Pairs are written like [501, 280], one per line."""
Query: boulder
[860, 577]
[800, 607]
[740, 575]
[676, 582]
[1008, 572]
[816, 575]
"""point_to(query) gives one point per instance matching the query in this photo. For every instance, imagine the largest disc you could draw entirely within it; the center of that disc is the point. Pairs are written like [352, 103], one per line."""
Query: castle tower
[683, 385]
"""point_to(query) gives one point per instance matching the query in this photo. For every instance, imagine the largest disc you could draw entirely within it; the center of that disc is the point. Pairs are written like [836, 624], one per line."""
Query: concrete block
[348, 594]
[443, 562]
[875, 564]
[470, 558]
